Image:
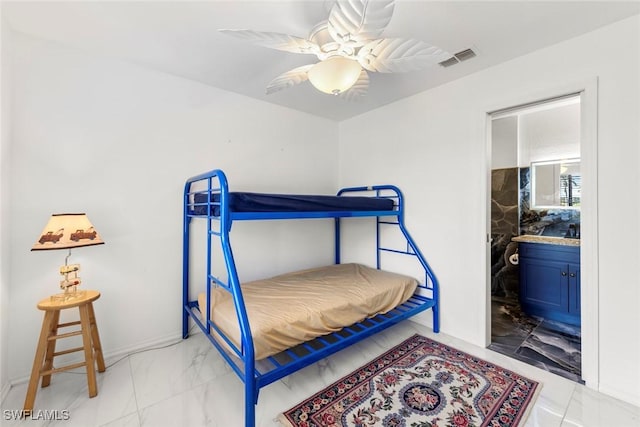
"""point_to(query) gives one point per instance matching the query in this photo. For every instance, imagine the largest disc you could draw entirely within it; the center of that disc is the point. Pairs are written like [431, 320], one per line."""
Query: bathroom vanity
[550, 277]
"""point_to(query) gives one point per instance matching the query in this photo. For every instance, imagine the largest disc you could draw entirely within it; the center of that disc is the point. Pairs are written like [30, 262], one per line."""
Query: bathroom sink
[552, 240]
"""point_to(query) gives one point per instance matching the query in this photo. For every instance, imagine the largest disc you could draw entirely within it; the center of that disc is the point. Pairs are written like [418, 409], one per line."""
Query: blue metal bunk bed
[207, 197]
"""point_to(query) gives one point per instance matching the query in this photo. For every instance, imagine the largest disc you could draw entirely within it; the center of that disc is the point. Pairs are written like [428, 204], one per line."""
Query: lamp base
[70, 282]
[70, 274]
[70, 293]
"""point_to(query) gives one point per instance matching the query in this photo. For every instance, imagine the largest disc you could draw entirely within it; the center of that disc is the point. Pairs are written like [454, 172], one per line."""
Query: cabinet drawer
[549, 251]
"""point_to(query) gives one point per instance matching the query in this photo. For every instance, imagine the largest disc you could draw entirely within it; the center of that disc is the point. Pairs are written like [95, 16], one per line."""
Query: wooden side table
[45, 352]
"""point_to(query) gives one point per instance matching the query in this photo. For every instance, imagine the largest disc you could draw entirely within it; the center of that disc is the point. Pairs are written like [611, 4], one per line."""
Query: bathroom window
[570, 190]
[556, 184]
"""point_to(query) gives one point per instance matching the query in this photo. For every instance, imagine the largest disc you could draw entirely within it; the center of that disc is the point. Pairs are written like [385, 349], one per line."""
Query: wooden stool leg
[51, 348]
[37, 361]
[95, 338]
[88, 349]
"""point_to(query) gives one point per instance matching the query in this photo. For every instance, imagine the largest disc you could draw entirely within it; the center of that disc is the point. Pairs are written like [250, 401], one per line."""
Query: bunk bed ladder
[223, 220]
[394, 193]
[247, 349]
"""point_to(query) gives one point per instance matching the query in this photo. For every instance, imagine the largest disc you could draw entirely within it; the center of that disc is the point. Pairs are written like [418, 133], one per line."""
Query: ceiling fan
[347, 45]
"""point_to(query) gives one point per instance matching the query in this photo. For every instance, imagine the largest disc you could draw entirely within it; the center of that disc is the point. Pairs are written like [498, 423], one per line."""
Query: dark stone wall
[511, 215]
[548, 222]
[504, 226]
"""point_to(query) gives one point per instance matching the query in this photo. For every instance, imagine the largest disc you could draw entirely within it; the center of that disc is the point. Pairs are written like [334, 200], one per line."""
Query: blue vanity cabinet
[550, 281]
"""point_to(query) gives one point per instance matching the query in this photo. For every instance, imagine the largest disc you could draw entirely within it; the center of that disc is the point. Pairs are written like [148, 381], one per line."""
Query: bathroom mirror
[556, 184]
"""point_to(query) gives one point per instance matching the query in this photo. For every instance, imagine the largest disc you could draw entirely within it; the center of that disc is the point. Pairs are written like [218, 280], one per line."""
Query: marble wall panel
[511, 215]
[504, 226]
[547, 222]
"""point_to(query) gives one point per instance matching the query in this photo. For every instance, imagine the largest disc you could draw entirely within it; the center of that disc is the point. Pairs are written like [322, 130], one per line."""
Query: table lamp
[67, 231]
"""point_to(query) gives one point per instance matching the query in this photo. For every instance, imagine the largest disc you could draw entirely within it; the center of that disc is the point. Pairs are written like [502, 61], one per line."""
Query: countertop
[546, 239]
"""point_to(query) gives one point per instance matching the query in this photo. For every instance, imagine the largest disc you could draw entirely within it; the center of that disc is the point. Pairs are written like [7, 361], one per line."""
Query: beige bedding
[289, 309]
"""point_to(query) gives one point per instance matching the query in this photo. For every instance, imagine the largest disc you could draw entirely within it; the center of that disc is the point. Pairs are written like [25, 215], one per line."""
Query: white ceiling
[181, 38]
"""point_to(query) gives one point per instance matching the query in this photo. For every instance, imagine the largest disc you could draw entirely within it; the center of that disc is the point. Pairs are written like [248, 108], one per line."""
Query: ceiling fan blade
[357, 21]
[288, 79]
[399, 55]
[277, 41]
[358, 90]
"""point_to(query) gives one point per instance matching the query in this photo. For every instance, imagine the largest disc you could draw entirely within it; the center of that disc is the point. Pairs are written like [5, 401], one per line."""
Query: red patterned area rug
[420, 383]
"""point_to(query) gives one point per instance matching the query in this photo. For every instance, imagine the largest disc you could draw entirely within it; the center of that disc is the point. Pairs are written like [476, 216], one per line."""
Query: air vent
[449, 62]
[463, 55]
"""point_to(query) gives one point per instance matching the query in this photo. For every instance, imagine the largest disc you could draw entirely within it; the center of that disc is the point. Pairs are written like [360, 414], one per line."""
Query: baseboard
[621, 395]
[5, 390]
[114, 355]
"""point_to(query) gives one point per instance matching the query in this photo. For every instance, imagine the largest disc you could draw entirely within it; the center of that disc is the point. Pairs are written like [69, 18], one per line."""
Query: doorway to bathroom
[536, 198]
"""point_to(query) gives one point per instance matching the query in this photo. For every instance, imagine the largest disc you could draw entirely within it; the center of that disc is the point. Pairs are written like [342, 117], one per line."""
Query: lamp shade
[334, 75]
[68, 230]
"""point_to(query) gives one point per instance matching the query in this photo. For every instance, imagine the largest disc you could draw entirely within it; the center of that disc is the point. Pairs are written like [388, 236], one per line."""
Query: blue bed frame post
[250, 385]
[185, 262]
[337, 241]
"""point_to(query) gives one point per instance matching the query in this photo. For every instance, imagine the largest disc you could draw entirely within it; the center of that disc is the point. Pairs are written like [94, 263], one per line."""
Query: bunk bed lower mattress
[289, 309]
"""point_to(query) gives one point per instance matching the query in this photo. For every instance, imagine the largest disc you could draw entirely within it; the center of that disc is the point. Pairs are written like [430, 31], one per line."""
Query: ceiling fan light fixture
[349, 45]
[334, 75]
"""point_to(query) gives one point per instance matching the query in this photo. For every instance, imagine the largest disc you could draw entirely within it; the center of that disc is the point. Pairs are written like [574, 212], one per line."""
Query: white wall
[547, 132]
[117, 141]
[550, 134]
[504, 140]
[5, 134]
[433, 146]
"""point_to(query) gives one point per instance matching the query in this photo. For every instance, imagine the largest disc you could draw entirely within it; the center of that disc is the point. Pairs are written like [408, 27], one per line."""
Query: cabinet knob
[564, 273]
[572, 274]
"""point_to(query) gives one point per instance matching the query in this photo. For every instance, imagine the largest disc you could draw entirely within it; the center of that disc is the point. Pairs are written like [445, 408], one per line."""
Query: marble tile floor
[549, 345]
[188, 384]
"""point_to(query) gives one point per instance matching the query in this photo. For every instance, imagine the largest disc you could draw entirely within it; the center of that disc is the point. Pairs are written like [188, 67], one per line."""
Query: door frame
[589, 270]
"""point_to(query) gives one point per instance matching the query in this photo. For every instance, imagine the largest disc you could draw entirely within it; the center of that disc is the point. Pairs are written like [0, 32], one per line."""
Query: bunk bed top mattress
[290, 309]
[263, 202]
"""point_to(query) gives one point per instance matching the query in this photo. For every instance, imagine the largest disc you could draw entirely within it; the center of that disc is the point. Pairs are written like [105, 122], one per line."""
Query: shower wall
[547, 222]
[505, 224]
